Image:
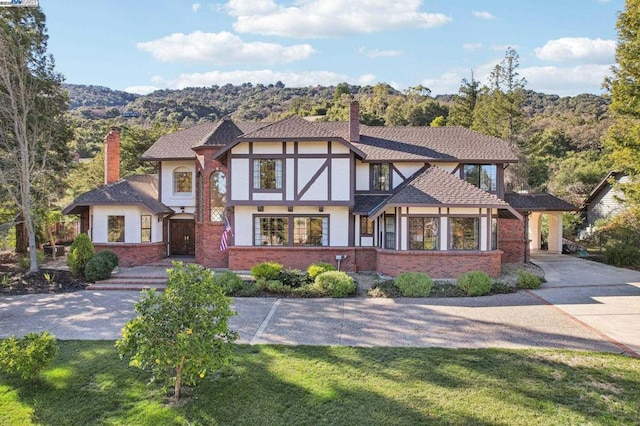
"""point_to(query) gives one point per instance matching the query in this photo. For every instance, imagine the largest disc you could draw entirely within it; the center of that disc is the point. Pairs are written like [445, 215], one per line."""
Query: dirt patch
[14, 280]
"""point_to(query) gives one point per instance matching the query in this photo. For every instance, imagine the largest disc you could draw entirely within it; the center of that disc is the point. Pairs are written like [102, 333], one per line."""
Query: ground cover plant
[275, 385]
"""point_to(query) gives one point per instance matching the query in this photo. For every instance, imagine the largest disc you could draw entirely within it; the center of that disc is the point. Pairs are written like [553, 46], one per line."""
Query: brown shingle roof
[538, 202]
[134, 190]
[435, 187]
[363, 204]
[293, 127]
[180, 144]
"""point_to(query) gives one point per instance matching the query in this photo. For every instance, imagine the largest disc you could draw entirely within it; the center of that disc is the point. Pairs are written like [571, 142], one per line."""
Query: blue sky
[566, 47]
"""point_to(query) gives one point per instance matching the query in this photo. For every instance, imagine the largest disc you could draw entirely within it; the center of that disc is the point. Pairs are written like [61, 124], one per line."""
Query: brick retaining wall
[134, 254]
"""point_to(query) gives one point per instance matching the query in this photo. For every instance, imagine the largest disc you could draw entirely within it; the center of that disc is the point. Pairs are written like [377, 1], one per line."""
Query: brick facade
[439, 264]
[511, 240]
[135, 254]
[208, 246]
[243, 258]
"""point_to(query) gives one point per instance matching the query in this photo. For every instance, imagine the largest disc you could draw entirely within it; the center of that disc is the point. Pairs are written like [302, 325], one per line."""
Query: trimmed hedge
[100, 266]
[266, 271]
[28, 355]
[336, 283]
[475, 283]
[527, 280]
[80, 252]
[414, 284]
[318, 268]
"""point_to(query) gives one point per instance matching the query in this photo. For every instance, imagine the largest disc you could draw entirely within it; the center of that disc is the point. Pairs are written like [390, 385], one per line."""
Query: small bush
[309, 290]
[294, 278]
[502, 288]
[266, 271]
[336, 283]
[79, 254]
[272, 286]
[248, 289]
[111, 256]
[622, 255]
[229, 282]
[527, 280]
[414, 284]
[98, 268]
[475, 283]
[317, 268]
[386, 289]
[24, 261]
[29, 355]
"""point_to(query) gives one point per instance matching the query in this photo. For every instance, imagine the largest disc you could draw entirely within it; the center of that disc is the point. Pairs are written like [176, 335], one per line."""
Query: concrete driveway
[601, 297]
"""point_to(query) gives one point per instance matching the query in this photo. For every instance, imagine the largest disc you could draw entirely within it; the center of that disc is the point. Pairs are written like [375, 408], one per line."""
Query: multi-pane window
[217, 195]
[145, 228]
[366, 226]
[390, 232]
[423, 233]
[494, 233]
[182, 181]
[115, 229]
[200, 196]
[380, 177]
[271, 231]
[267, 174]
[310, 231]
[465, 233]
[484, 176]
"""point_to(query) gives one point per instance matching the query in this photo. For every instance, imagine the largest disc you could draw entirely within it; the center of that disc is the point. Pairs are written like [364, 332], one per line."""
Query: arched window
[217, 195]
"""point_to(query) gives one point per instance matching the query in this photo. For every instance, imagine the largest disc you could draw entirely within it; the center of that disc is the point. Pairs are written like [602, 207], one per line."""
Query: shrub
[622, 255]
[309, 290]
[24, 261]
[475, 283]
[98, 268]
[229, 282]
[294, 278]
[111, 256]
[29, 355]
[272, 286]
[502, 288]
[414, 284]
[79, 254]
[248, 289]
[182, 333]
[266, 270]
[527, 280]
[387, 289]
[317, 268]
[336, 283]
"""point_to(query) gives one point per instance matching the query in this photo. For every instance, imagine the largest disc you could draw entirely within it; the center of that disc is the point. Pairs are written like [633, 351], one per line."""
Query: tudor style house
[385, 199]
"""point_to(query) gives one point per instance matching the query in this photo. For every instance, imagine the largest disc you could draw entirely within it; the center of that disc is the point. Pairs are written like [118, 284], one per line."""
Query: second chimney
[354, 122]
[112, 157]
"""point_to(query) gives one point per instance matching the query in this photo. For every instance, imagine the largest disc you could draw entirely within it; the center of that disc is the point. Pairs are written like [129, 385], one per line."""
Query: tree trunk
[178, 385]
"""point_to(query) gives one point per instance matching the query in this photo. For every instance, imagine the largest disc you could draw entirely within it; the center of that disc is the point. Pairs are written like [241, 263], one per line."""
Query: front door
[183, 237]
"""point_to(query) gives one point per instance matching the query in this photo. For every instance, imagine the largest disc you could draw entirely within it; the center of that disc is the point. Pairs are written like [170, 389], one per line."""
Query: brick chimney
[112, 156]
[354, 121]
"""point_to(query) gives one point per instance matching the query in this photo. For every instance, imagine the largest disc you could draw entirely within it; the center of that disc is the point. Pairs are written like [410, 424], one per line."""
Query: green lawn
[282, 385]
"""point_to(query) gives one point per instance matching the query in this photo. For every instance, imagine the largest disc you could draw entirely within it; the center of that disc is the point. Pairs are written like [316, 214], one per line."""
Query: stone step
[124, 287]
[134, 280]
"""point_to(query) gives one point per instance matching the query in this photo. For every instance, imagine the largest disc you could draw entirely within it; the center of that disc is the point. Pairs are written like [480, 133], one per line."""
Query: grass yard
[281, 385]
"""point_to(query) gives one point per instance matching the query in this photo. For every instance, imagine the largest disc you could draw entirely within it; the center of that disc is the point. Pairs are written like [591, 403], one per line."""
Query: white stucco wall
[239, 179]
[267, 148]
[132, 221]
[340, 179]
[362, 176]
[168, 196]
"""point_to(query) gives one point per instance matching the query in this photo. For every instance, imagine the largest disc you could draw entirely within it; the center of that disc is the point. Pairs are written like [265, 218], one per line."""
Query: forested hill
[260, 102]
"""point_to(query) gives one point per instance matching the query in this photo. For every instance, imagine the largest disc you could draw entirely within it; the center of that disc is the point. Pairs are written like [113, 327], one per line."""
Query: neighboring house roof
[602, 185]
[135, 190]
[377, 144]
[538, 202]
[435, 187]
[180, 144]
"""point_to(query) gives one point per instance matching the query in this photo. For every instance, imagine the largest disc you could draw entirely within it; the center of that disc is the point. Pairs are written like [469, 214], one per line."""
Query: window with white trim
[464, 233]
[115, 229]
[423, 233]
[267, 173]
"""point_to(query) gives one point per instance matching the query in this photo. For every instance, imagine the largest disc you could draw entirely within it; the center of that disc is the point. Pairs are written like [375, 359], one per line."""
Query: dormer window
[484, 176]
[380, 177]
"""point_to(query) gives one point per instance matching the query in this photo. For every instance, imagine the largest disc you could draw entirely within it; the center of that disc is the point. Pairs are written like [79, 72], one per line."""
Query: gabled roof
[435, 187]
[180, 144]
[423, 143]
[135, 190]
[538, 202]
[604, 183]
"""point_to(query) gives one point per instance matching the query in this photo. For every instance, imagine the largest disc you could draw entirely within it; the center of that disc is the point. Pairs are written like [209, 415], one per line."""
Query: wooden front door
[183, 237]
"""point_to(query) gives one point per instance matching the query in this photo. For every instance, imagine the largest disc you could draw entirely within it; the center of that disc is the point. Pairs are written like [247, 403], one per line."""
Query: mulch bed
[15, 280]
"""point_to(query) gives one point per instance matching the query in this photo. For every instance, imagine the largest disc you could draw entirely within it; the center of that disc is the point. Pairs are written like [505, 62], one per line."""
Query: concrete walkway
[592, 311]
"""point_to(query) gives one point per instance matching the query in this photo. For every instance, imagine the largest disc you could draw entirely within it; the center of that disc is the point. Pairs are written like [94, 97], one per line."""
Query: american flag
[225, 234]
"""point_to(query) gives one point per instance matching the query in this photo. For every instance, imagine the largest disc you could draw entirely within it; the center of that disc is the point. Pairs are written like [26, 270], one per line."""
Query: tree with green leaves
[461, 112]
[623, 137]
[33, 130]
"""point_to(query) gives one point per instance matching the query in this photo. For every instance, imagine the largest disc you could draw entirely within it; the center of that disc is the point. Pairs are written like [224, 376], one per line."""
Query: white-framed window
[464, 233]
[424, 233]
[267, 173]
[115, 229]
[291, 231]
[145, 228]
[182, 181]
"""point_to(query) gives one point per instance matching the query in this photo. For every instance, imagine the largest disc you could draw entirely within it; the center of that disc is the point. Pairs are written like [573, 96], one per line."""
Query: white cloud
[196, 7]
[221, 48]
[504, 47]
[578, 49]
[483, 15]
[141, 90]
[327, 18]
[377, 53]
[563, 81]
[265, 76]
[470, 47]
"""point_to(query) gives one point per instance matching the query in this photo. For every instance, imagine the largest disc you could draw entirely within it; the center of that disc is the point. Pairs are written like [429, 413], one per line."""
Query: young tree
[33, 132]
[623, 138]
[183, 333]
[461, 113]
